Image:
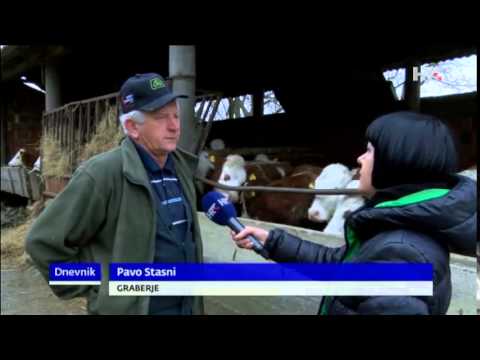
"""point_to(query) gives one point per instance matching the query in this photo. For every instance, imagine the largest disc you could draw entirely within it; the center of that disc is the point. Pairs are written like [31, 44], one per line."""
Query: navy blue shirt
[174, 242]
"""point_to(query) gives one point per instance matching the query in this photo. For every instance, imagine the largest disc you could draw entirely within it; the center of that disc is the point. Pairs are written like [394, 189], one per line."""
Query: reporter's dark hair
[411, 148]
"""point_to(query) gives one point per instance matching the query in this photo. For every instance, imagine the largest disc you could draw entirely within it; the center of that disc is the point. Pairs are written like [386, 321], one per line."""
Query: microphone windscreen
[218, 208]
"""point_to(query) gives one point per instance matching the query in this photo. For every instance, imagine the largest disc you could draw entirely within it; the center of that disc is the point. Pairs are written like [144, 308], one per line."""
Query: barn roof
[230, 69]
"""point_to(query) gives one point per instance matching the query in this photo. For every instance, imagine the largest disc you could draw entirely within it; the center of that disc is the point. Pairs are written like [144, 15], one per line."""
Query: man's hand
[241, 238]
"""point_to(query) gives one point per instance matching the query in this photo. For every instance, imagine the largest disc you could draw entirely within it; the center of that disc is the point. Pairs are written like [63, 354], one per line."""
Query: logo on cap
[156, 83]
[128, 99]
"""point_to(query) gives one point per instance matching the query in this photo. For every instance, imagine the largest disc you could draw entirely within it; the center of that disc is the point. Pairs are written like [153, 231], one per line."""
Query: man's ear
[132, 128]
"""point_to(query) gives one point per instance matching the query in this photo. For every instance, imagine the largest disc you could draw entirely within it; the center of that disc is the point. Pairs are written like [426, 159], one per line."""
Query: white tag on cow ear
[212, 158]
[311, 186]
[252, 177]
[252, 193]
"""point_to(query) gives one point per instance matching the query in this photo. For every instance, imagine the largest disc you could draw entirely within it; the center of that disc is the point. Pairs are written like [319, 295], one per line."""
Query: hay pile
[13, 237]
[55, 159]
[13, 243]
[107, 136]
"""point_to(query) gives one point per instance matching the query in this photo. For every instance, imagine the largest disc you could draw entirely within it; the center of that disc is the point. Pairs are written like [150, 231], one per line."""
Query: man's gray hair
[134, 115]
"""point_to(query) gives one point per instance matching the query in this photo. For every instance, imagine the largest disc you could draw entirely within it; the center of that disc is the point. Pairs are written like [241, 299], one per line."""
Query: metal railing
[351, 192]
[74, 124]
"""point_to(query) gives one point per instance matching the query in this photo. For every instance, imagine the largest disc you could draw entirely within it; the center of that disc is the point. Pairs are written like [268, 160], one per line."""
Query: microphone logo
[216, 207]
[212, 211]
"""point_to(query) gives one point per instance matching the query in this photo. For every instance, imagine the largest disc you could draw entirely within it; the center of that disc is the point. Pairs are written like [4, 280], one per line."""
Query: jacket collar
[448, 215]
[134, 170]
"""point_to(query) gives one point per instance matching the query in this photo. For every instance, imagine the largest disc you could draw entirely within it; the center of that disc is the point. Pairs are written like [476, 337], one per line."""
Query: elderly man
[135, 203]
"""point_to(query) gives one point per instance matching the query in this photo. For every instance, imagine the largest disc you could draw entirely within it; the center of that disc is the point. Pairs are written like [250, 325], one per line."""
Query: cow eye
[226, 177]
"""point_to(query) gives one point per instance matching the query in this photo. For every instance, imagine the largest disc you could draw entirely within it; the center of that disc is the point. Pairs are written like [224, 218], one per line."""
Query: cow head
[233, 174]
[334, 176]
[345, 206]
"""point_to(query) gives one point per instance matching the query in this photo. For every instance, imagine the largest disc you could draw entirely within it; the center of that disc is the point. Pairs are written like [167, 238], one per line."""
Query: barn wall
[460, 113]
[331, 121]
[330, 139]
[339, 135]
[24, 121]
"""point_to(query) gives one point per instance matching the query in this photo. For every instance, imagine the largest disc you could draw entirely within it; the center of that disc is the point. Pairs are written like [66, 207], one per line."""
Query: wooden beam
[412, 85]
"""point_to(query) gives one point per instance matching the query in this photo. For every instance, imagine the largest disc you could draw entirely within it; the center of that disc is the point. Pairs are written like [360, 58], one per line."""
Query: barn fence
[73, 125]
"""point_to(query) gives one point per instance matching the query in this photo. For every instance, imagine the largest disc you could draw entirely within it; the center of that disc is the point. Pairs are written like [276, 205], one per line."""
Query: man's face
[161, 130]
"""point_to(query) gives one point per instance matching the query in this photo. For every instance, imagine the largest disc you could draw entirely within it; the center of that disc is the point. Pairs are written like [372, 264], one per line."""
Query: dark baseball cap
[146, 92]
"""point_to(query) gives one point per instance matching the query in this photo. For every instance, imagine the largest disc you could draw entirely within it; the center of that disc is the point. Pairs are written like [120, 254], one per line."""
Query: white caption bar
[270, 288]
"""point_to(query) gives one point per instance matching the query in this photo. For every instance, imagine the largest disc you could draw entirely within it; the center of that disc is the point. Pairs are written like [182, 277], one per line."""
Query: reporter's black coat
[420, 232]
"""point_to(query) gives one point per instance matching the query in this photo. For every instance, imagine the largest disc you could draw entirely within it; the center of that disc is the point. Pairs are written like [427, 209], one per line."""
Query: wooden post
[257, 105]
[52, 87]
[412, 85]
[4, 127]
[183, 72]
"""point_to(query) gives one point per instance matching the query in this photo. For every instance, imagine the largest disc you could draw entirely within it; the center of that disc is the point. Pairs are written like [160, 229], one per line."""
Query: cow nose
[312, 214]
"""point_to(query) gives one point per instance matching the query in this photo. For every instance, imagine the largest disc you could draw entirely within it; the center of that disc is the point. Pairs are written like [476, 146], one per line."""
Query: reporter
[418, 211]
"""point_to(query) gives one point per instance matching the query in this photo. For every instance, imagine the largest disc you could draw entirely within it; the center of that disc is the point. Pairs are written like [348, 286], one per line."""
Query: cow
[237, 172]
[205, 165]
[345, 205]
[209, 167]
[307, 168]
[355, 174]
[36, 165]
[284, 208]
[333, 176]
[262, 173]
[262, 157]
[233, 173]
[18, 159]
[217, 144]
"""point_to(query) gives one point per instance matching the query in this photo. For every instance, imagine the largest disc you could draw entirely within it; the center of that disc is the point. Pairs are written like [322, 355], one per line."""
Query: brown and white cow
[345, 205]
[284, 208]
[333, 176]
[237, 172]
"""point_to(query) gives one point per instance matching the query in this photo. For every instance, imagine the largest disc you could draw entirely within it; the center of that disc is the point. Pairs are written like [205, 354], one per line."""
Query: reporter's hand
[241, 238]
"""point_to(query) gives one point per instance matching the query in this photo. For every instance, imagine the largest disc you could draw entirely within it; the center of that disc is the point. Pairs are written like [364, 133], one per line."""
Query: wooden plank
[35, 185]
[60, 129]
[12, 182]
[107, 109]
[79, 127]
[65, 130]
[16, 175]
[71, 138]
[87, 134]
[53, 127]
[88, 112]
[97, 110]
[23, 183]
[6, 180]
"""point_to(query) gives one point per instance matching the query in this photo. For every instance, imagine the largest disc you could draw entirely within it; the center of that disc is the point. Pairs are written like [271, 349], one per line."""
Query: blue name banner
[368, 272]
[75, 273]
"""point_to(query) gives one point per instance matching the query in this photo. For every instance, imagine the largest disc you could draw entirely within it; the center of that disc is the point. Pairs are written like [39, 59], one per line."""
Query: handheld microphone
[222, 212]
